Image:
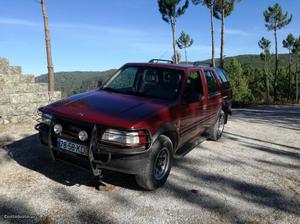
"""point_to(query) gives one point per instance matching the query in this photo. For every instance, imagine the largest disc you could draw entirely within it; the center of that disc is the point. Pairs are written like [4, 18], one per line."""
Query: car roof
[170, 66]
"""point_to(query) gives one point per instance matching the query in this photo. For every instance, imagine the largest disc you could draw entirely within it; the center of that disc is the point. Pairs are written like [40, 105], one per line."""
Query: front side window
[146, 81]
[194, 87]
[211, 83]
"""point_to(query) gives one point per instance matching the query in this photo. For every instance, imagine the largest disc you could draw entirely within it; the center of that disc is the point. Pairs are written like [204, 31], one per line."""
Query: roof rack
[161, 60]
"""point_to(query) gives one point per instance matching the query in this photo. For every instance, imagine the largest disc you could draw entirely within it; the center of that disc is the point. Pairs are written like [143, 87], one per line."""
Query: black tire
[216, 131]
[148, 178]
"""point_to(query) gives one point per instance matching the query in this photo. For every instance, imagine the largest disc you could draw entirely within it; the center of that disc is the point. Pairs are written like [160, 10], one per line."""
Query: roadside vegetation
[70, 83]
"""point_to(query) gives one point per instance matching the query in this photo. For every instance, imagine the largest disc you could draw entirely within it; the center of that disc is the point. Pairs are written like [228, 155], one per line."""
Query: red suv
[139, 119]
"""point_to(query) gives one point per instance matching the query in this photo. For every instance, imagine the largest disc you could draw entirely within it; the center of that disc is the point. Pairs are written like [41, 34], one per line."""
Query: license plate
[72, 147]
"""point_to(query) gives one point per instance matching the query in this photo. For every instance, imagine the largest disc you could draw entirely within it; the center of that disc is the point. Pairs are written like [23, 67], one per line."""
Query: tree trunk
[185, 54]
[221, 63]
[267, 81]
[212, 35]
[174, 41]
[276, 67]
[48, 50]
[297, 79]
[290, 64]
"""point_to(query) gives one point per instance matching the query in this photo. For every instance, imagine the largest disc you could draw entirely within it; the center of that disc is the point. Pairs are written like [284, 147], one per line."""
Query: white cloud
[106, 29]
[19, 22]
[236, 32]
[114, 30]
[200, 48]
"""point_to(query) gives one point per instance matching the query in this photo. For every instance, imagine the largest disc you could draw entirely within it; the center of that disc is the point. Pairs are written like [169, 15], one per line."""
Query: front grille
[71, 129]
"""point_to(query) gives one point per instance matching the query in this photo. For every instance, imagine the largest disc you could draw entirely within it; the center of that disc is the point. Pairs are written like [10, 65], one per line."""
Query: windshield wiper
[136, 93]
[109, 89]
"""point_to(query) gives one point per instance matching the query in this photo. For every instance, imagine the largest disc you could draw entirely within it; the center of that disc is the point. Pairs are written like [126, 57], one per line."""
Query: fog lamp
[57, 129]
[83, 136]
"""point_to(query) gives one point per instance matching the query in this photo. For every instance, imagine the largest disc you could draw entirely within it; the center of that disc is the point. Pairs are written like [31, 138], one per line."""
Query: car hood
[107, 108]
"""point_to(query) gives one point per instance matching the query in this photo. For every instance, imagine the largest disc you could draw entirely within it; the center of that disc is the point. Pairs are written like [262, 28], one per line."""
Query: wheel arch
[171, 132]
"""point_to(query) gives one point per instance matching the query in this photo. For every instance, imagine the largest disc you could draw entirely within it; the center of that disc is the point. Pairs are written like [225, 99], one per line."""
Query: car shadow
[287, 117]
[18, 211]
[254, 193]
[30, 153]
[235, 137]
[9, 209]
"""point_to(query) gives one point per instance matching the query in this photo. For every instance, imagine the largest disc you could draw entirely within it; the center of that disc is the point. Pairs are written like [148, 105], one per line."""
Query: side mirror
[100, 84]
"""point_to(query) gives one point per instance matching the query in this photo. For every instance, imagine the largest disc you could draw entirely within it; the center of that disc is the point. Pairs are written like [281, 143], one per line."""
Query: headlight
[121, 137]
[46, 119]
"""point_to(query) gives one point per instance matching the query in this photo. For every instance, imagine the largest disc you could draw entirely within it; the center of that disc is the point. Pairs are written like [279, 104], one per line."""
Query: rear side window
[223, 78]
[211, 83]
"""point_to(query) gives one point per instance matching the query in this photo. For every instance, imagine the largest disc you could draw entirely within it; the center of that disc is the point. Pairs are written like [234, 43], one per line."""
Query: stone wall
[20, 96]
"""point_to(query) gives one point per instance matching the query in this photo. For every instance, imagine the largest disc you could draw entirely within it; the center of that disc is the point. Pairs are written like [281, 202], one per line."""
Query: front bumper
[100, 157]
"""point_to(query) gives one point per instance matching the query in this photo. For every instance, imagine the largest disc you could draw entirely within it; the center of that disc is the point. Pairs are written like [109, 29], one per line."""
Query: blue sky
[99, 35]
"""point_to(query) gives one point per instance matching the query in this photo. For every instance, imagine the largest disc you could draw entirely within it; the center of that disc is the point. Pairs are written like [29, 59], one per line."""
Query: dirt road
[252, 175]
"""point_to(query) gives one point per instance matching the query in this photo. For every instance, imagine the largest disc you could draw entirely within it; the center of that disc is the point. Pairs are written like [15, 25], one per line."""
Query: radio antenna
[163, 54]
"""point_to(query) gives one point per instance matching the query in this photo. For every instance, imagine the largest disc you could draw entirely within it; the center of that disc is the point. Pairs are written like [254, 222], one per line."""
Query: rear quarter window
[211, 83]
[223, 78]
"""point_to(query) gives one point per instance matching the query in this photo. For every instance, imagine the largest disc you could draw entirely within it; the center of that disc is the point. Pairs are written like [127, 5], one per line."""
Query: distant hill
[252, 60]
[80, 81]
[71, 83]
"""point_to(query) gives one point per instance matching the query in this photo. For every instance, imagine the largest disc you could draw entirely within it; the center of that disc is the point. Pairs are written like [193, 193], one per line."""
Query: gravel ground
[252, 175]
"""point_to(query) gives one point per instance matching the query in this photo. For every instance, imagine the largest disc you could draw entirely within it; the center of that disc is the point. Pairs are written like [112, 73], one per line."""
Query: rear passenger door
[214, 98]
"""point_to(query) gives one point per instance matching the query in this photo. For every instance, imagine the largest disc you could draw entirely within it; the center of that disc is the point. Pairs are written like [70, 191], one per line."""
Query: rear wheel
[158, 165]
[216, 131]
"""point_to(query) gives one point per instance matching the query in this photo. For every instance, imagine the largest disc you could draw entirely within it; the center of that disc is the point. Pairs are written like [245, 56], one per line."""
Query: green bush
[241, 92]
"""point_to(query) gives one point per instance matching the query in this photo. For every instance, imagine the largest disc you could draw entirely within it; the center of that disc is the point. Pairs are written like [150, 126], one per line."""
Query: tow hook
[96, 171]
[100, 185]
[98, 180]
[98, 174]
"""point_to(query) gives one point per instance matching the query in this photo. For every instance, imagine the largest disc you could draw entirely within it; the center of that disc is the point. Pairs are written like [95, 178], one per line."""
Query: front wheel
[216, 131]
[158, 165]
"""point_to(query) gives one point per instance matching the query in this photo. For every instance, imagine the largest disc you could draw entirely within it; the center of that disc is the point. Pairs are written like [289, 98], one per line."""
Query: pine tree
[275, 20]
[265, 45]
[210, 4]
[170, 11]
[288, 43]
[184, 42]
[178, 55]
[296, 51]
[241, 91]
[223, 9]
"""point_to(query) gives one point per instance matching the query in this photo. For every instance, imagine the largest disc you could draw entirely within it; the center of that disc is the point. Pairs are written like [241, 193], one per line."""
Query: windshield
[146, 81]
